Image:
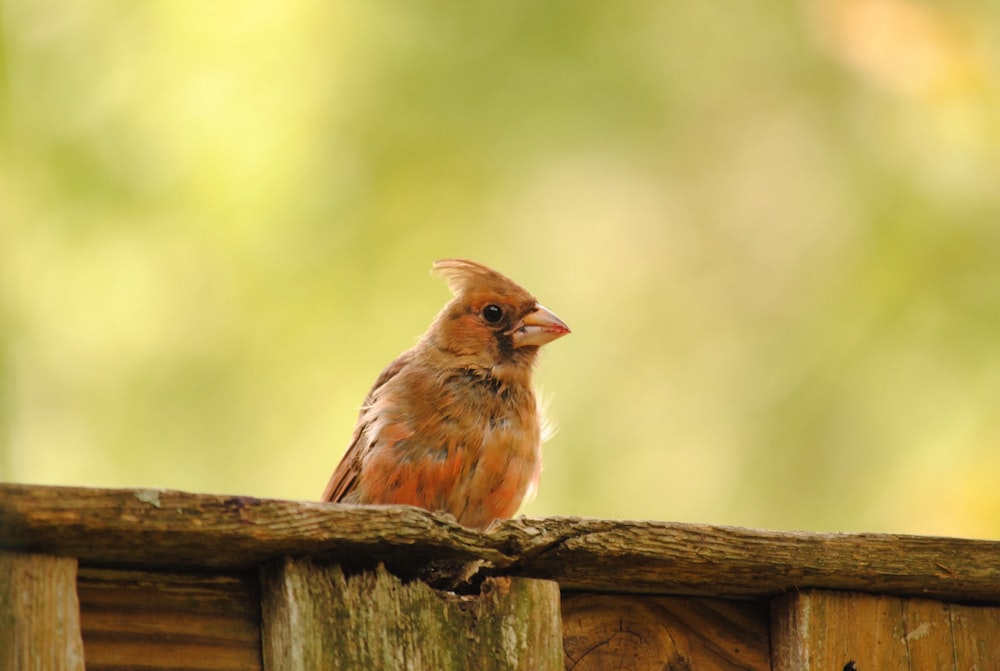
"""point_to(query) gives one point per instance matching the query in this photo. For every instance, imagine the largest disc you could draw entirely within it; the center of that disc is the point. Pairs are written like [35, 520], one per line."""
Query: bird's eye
[492, 313]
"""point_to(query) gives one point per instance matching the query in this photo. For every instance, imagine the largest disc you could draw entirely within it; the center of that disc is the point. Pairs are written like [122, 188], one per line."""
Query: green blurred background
[773, 226]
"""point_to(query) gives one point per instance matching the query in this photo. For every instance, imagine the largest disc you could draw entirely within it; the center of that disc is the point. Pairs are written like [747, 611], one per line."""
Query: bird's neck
[500, 378]
[513, 370]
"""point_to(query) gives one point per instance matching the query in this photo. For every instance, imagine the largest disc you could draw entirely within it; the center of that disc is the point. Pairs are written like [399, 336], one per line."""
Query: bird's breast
[470, 447]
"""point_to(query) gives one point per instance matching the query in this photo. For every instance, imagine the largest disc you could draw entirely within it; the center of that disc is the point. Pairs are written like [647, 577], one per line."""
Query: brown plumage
[452, 424]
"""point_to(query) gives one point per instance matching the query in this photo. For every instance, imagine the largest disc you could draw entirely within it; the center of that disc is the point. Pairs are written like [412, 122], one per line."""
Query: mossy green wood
[316, 617]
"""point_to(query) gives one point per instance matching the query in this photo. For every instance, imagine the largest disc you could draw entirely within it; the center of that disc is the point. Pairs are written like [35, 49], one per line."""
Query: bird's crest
[463, 276]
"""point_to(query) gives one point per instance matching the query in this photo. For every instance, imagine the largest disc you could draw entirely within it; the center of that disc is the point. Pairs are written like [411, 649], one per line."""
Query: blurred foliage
[774, 228]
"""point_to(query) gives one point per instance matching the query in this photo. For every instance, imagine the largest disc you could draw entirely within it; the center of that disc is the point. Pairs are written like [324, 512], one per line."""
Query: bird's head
[492, 322]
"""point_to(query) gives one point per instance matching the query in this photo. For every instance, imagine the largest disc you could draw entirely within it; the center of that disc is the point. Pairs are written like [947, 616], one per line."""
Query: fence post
[39, 613]
[316, 617]
[817, 629]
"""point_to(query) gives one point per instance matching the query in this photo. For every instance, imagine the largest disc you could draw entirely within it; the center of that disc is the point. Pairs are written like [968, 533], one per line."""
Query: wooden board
[606, 631]
[154, 528]
[830, 630]
[156, 620]
[39, 613]
[315, 617]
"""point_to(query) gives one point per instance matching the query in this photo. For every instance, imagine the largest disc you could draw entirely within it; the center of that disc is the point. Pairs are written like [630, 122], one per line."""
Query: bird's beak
[538, 328]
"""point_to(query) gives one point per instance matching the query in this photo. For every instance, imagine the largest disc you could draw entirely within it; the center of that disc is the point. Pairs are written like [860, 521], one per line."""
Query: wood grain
[828, 630]
[626, 632]
[158, 528]
[315, 617]
[667, 558]
[154, 528]
[39, 613]
[192, 621]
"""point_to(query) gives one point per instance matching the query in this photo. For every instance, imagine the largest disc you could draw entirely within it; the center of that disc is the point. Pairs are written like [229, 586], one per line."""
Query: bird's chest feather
[467, 445]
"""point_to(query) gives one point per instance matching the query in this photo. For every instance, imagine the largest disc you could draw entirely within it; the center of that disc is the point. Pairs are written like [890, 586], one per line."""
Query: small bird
[453, 425]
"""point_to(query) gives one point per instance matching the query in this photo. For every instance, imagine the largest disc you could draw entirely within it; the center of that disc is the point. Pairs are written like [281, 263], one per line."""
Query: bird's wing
[345, 477]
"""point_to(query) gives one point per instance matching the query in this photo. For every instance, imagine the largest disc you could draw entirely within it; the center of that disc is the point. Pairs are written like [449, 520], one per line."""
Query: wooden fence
[151, 579]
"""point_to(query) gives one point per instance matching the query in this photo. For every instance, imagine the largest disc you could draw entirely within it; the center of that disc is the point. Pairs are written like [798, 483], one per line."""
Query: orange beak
[537, 328]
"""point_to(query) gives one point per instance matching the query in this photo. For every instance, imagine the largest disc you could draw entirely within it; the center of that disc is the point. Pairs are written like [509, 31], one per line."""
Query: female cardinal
[452, 424]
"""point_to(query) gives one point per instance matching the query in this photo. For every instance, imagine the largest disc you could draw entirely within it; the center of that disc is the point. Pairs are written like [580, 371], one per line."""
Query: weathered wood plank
[667, 558]
[828, 630]
[316, 618]
[611, 631]
[39, 613]
[169, 529]
[157, 620]
[975, 635]
[153, 528]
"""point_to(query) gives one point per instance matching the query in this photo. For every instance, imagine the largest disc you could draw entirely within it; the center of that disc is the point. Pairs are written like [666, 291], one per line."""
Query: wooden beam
[830, 630]
[39, 613]
[150, 528]
[315, 617]
[155, 528]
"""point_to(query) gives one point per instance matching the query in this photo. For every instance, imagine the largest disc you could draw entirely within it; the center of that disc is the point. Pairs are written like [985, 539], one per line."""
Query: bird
[453, 424]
